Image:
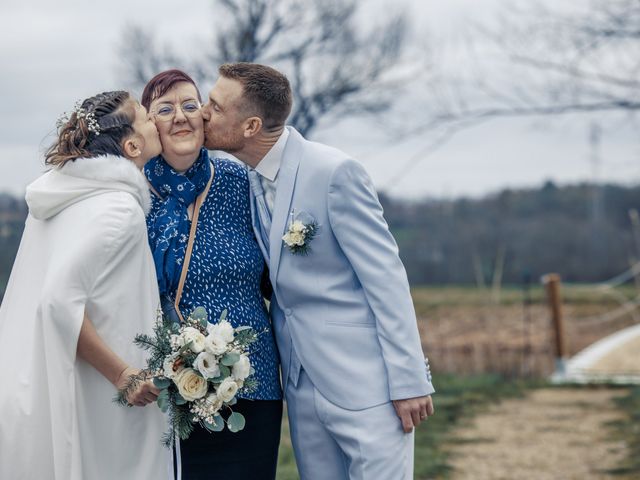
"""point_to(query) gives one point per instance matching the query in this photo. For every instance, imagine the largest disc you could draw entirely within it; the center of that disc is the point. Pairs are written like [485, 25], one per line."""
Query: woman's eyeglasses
[167, 111]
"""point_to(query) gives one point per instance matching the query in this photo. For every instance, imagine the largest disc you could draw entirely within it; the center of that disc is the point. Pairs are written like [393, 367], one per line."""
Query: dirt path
[550, 434]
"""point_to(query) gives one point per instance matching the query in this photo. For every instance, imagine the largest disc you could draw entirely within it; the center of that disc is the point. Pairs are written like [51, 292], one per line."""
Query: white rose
[297, 238]
[207, 365]
[169, 367]
[242, 368]
[190, 385]
[215, 344]
[287, 239]
[227, 389]
[193, 335]
[298, 227]
[293, 238]
[222, 329]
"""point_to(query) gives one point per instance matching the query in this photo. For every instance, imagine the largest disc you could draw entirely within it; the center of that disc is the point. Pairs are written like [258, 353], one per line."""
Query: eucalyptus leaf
[232, 402]
[161, 382]
[199, 314]
[224, 371]
[223, 315]
[180, 400]
[230, 359]
[217, 425]
[163, 400]
[245, 336]
[235, 422]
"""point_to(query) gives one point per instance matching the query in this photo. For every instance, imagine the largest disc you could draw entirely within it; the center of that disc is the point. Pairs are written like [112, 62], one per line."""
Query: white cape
[84, 246]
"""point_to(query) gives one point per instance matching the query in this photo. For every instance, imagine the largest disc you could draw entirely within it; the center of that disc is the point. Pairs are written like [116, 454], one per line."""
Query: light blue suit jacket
[343, 311]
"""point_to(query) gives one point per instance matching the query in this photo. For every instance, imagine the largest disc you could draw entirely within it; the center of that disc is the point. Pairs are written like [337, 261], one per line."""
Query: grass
[628, 430]
[457, 399]
[286, 462]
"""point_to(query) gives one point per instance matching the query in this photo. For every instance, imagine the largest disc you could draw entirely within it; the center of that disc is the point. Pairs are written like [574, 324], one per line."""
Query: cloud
[56, 52]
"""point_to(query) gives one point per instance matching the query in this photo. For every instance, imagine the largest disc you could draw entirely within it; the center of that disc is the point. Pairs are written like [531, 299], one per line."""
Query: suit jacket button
[288, 311]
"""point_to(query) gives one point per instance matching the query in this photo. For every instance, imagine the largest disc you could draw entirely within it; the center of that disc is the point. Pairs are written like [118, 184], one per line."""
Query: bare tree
[546, 61]
[538, 61]
[335, 65]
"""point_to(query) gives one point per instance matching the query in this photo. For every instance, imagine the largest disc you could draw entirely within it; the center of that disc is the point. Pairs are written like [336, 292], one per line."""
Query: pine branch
[122, 397]
[144, 341]
[182, 421]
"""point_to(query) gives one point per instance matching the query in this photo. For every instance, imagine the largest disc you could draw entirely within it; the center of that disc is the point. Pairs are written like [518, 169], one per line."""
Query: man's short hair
[266, 92]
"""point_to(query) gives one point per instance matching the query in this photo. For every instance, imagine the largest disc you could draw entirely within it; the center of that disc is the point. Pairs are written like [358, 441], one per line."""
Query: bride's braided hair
[98, 127]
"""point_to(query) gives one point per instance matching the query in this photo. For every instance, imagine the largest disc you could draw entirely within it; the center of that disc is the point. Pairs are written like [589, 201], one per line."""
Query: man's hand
[412, 411]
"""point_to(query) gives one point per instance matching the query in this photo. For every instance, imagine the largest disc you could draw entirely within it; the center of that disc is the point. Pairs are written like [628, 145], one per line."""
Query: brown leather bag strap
[192, 235]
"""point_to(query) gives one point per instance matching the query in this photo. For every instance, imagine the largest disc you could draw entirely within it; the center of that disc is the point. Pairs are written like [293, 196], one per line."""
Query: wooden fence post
[551, 283]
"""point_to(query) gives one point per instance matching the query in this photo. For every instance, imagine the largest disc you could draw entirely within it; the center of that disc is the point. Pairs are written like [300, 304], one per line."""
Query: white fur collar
[111, 168]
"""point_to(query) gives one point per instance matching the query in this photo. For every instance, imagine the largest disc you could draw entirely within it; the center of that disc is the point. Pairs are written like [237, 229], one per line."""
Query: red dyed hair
[162, 83]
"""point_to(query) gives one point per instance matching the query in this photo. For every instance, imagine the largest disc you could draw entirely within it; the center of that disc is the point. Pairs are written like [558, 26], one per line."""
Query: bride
[82, 285]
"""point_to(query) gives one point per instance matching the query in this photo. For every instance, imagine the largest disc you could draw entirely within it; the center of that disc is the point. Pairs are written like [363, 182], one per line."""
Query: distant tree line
[583, 232]
[13, 212]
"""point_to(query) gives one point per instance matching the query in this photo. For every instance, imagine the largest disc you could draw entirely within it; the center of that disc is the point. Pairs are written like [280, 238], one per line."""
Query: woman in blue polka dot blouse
[224, 272]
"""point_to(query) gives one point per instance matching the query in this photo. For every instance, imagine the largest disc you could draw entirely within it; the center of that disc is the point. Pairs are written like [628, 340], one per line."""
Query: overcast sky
[54, 53]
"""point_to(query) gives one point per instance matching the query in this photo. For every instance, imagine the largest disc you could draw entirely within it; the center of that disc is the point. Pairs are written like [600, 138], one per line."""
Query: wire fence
[516, 338]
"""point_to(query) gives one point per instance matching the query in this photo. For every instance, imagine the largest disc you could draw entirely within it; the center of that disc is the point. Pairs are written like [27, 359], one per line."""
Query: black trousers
[250, 454]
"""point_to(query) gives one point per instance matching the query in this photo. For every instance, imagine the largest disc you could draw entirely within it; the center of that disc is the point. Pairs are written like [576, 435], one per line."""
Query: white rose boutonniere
[302, 229]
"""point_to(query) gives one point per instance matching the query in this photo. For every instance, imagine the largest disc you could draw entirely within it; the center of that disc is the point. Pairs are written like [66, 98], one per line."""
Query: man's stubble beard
[226, 143]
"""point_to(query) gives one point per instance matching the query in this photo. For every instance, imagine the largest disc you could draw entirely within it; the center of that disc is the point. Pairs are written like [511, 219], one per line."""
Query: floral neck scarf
[169, 225]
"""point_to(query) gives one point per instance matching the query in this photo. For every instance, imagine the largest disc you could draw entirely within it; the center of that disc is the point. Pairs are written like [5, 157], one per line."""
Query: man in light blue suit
[354, 376]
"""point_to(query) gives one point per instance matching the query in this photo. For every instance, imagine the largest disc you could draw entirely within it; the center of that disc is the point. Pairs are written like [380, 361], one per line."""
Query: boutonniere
[302, 229]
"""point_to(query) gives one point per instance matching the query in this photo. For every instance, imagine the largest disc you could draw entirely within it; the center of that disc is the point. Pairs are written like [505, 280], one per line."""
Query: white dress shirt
[269, 167]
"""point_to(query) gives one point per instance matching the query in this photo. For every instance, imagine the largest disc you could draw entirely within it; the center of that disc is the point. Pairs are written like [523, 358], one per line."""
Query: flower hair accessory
[89, 117]
[301, 231]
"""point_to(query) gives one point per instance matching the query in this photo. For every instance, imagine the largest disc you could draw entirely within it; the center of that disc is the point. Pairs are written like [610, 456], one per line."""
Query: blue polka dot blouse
[226, 267]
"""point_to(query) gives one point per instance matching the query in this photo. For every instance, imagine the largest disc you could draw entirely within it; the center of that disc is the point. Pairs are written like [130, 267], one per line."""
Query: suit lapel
[284, 194]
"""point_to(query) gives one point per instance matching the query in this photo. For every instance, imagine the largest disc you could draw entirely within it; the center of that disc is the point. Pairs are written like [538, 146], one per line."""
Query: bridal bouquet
[199, 368]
